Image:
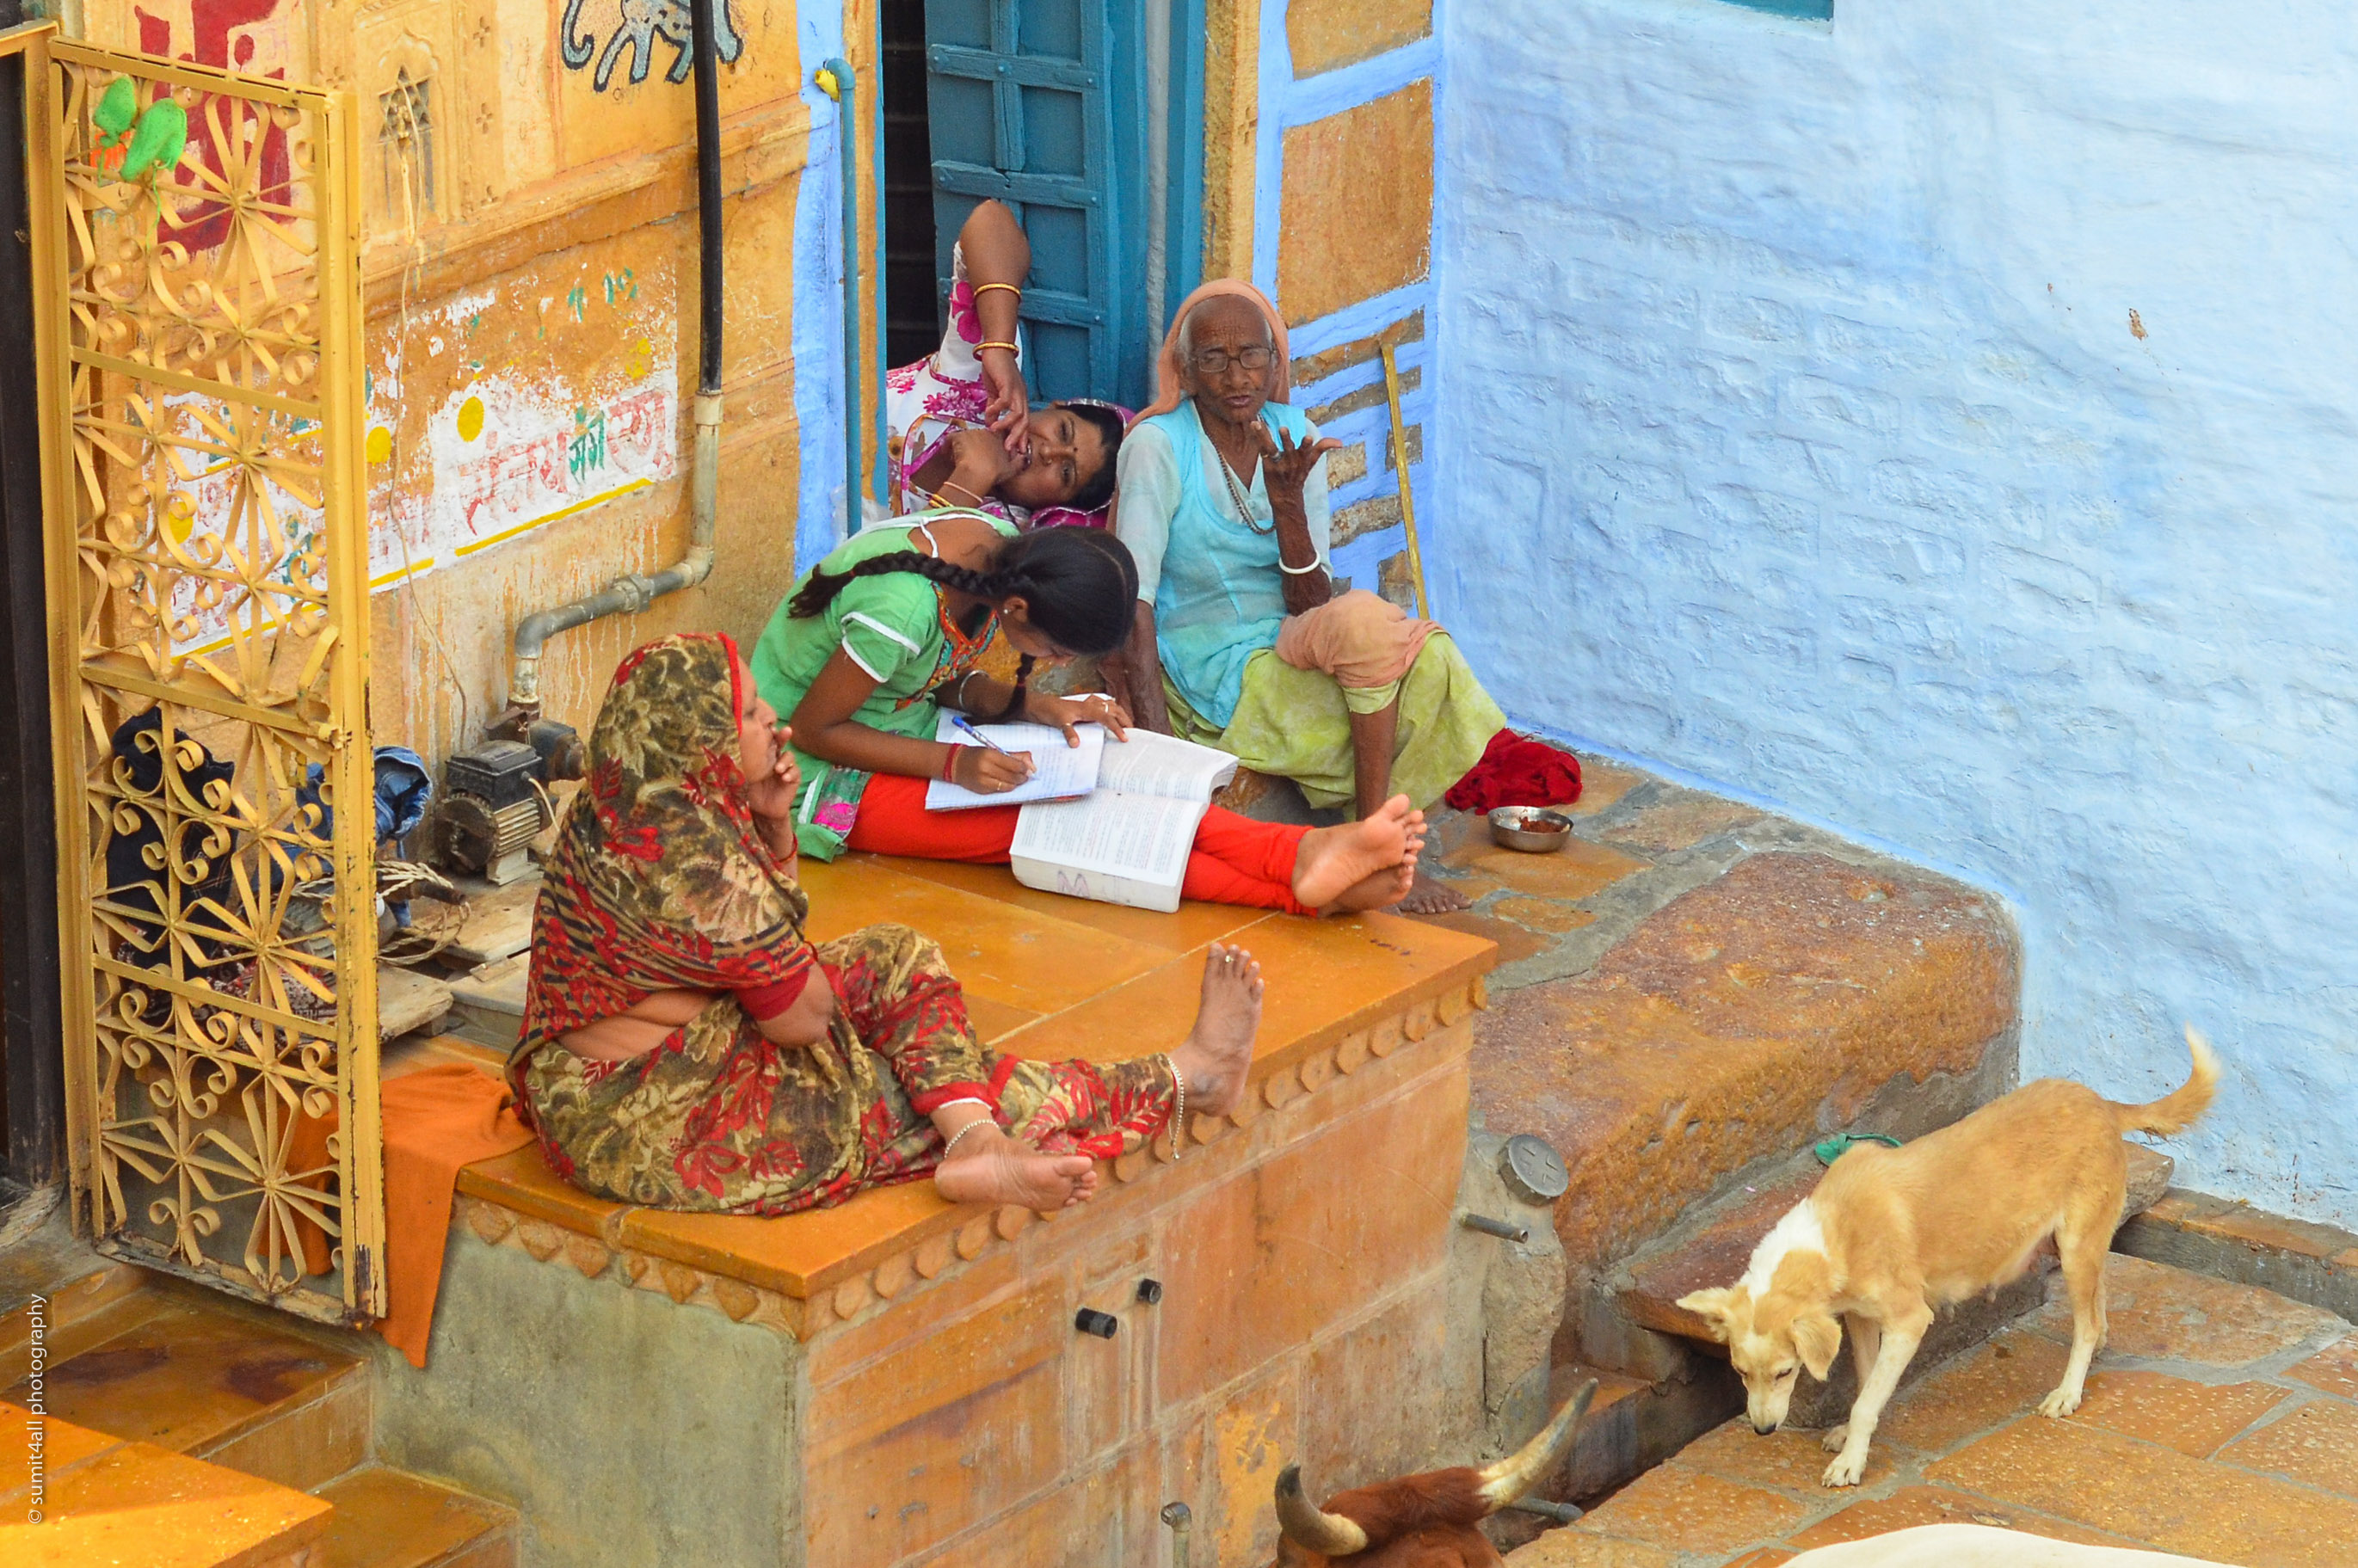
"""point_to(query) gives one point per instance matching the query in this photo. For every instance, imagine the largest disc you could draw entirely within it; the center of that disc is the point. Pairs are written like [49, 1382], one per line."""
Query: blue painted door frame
[1040, 103]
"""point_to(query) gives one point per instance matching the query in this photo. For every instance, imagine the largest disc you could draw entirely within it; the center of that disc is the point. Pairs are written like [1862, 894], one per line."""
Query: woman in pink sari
[962, 431]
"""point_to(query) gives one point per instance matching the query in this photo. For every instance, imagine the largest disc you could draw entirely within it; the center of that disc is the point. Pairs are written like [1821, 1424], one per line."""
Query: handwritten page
[1061, 771]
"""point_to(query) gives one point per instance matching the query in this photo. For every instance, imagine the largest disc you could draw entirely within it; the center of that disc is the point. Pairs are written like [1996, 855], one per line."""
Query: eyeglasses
[1216, 362]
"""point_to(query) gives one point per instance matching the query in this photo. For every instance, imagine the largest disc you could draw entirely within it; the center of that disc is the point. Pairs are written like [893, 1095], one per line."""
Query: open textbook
[1125, 841]
[1059, 770]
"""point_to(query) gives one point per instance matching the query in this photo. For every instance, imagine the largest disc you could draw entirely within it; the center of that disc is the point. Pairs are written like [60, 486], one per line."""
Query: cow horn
[1330, 1535]
[1519, 1472]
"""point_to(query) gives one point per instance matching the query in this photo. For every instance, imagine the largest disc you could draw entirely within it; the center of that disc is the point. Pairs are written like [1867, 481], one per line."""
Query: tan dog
[1890, 1234]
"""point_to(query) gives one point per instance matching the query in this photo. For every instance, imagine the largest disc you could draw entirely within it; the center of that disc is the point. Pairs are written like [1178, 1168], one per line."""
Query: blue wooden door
[1037, 102]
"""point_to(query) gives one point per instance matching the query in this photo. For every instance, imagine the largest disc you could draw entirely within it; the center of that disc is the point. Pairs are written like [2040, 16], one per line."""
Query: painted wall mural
[495, 413]
[633, 27]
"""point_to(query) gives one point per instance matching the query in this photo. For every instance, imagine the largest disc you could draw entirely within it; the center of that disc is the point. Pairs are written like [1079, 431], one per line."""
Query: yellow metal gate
[209, 612]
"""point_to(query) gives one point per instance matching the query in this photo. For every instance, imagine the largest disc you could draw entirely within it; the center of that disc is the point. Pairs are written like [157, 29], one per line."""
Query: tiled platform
[2222, 1421]
[1047, 978]
[900, 1379]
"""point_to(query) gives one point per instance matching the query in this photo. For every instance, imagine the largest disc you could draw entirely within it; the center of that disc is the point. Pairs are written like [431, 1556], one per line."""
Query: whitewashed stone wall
[1943, 424]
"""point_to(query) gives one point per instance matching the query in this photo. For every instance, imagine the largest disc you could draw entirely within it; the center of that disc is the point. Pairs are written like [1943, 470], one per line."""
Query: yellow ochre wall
[531, 326]
[1319, 187]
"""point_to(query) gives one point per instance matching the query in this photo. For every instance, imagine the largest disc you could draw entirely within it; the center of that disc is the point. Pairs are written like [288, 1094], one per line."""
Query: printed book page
[1062, 772]
[1139, 838]
[1148, 764]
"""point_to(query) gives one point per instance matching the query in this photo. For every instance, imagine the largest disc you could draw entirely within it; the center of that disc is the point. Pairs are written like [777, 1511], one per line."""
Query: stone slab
[950, 1411]
[487, 1006]
[386, 1520]
[2155, 1494]
[2168, 1313]
[1742, 1020]
[408, 1001]
[2231, 1240]
[109, 1501]
[498, 923]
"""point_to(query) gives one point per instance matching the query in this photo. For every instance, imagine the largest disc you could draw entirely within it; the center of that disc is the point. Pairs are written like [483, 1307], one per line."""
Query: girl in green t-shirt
[885, 632]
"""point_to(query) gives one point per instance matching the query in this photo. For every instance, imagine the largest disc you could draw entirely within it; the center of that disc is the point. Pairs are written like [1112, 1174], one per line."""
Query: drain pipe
[631, 592]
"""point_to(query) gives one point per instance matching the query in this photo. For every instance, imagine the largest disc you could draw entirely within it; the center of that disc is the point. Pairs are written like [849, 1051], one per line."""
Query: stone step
[1794, 995]
[487, 1006]
[219, 1403]
[386, 1519]
[105, 1502]
[185, 1370]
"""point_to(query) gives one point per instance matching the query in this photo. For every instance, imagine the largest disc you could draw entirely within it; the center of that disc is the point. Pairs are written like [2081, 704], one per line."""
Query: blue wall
[1942, 424]
[818, 297]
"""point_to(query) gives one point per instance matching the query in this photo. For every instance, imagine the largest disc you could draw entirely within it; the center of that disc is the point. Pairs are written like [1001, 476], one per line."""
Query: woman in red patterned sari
[686, 1047]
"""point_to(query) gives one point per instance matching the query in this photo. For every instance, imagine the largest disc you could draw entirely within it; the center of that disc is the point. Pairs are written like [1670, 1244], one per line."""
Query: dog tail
[2176, 1112]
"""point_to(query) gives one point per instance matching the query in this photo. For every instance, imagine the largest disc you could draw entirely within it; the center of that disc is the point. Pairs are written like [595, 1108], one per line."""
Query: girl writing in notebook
[882, 635]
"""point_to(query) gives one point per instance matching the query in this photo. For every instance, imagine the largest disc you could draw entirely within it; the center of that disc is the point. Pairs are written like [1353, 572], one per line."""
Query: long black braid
[1077, 586]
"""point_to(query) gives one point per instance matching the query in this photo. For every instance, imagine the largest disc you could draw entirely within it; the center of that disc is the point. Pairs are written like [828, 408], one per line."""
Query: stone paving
[2222, 1422]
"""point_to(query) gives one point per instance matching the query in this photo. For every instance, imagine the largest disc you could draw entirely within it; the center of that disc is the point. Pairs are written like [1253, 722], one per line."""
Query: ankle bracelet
[1179, 1112]
[961, 1133]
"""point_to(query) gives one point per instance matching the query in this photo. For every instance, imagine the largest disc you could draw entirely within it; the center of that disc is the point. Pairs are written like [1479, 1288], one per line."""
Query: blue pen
[959, 722]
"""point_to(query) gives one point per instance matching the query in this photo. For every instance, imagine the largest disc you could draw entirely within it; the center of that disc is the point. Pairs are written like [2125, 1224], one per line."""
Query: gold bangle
[986, 287]
[1010, 348]
[952, 484]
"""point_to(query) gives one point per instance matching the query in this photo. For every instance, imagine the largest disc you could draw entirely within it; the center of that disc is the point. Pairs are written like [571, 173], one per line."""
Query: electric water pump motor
[495, 800]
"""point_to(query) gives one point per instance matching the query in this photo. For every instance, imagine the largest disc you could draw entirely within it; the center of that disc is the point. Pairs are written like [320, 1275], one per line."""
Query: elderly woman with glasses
[1240, 640]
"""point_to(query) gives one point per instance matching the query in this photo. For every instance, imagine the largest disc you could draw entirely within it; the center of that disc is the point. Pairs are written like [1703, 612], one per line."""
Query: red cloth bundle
[1515, 770]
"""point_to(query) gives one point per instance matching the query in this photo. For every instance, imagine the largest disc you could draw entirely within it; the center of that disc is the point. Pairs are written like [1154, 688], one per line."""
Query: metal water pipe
[631, 592]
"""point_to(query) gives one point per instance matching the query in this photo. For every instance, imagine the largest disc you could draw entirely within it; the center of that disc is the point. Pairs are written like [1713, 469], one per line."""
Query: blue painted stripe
[1364, 320]
[1319, 97]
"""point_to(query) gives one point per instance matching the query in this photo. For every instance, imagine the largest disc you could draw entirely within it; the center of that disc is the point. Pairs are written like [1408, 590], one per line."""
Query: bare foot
[1428, 895]
[1219, 1052]
[1332, 859]
[1006, 1172]
[1377, 889]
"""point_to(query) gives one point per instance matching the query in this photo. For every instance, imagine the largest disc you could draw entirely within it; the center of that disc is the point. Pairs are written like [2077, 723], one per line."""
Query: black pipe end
[1103, 1324]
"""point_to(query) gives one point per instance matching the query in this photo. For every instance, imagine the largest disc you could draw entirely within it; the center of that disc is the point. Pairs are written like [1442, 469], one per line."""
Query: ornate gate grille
[207, 586]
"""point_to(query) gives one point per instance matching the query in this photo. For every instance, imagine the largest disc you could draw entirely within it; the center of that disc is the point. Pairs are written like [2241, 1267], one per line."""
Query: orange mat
[435, 1120]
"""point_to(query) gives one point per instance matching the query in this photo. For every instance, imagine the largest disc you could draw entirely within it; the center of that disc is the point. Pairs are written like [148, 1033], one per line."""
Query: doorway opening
[912, 304]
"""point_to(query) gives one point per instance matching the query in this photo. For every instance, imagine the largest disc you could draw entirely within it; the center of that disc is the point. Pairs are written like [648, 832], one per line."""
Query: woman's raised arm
[998, 260]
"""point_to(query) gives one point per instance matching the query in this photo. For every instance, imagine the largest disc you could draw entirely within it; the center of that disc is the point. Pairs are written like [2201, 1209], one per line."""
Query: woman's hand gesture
[1285, 467]
[1068, 712]
[980, 461]
[772, 794]
[1009, 412]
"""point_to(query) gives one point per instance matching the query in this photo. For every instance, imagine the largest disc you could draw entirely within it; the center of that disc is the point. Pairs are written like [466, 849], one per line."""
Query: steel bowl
[1531, 829]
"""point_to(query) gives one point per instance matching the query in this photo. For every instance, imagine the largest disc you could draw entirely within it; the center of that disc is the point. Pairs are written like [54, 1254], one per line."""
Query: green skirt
[1297, 724]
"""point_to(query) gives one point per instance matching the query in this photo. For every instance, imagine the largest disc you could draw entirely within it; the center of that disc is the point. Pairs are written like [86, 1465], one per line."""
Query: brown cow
[1418, 1521]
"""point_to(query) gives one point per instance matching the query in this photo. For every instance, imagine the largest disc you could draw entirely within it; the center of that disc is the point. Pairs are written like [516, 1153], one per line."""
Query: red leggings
[1236, 859]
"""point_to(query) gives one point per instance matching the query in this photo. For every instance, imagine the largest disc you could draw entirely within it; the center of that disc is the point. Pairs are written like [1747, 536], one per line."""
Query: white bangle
[1298, 571]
